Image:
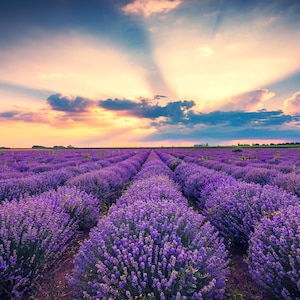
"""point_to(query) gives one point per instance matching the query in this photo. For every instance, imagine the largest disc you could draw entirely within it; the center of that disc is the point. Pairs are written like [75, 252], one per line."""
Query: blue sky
[149, 73]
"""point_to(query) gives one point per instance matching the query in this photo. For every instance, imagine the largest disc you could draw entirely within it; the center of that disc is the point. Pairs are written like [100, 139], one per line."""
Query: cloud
[174, 112]
[77, 111]
[59, 119]
[157, 97]
[218, 135]
[248, 101]
[292, 105]
[237, 118]
[24, 116]
[146, 8]
[184, 113]
[117, 104]
[8, 114]
[63, 103]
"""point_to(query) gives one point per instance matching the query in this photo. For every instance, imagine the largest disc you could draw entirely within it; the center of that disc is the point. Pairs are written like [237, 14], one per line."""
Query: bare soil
[240, 285]
[54, 285]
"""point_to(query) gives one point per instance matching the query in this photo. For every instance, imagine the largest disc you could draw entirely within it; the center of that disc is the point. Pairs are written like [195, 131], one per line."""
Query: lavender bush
[82, 207]
[184, 171]
[289, 182]
[151, 250]
[34, 233]
[154, 188]
[194, 184]
[104, 184]
[107, 184]
[235, 208]
[261, 176]
[171, 161]
[200, 186]
[274, 257]
[239, 172]
[154, 167]
[199, 182]
[32, 185]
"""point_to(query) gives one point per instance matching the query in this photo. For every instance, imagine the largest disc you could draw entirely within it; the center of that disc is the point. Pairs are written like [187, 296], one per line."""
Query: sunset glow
[149, 73]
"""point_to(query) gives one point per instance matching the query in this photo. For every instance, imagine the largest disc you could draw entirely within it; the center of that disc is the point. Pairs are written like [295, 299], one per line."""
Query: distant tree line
[54, 147]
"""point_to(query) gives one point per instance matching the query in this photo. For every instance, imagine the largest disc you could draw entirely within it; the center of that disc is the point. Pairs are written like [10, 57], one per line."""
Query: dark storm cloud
[61, 103]
[174, 111]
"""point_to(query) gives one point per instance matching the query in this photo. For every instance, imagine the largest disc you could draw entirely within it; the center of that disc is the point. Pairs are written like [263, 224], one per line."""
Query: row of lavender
[151, 245]
[35, 231]
[282, 159]
[263, 219]
[284, 172]
[23, 163]
[33, 184]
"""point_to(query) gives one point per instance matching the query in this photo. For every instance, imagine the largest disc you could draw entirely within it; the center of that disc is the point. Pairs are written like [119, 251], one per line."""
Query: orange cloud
[292, 105]
[146, 8]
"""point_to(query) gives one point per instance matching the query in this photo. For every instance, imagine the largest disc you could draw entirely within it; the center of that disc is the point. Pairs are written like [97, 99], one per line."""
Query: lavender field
[162, 223]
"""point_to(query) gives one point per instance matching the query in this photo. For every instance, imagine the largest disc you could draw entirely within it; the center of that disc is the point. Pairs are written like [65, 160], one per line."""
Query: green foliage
[86, 155]
[276, 157]
[237, 150]
[174, 165]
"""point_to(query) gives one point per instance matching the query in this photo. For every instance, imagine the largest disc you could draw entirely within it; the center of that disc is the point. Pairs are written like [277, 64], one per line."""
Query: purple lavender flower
[33, 235]
[107, 184]
[82, 207]
[261, 175]
[153, 166]
[154, 188]
[289, 182]
[171, 161]
[235, 208]
[274, 253]
[199, 182]
[153, 250]
[32, 185]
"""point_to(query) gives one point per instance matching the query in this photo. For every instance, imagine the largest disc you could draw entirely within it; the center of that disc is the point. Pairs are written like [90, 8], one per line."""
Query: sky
[143, 73]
